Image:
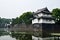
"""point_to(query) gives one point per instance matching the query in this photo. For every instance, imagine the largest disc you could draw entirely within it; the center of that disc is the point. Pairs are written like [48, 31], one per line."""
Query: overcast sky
[14, 8]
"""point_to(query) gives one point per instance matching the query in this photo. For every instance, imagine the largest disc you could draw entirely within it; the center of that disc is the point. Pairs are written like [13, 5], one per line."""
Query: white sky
[14, 8]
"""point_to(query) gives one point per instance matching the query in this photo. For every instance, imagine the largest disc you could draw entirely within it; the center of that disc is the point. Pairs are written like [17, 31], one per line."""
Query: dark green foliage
[56, 14]
[15, 21]
[2, 32]
[24, 18]
[22, 36]
[4, 21]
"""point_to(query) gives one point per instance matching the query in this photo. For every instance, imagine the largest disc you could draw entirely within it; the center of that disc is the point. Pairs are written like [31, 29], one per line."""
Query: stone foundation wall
[42, 30]
[57, 28]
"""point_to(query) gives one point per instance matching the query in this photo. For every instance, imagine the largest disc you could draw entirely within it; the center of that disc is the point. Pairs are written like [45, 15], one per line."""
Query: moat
[7, 37]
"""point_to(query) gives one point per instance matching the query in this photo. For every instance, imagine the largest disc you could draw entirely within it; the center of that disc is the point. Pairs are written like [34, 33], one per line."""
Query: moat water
[23, 37]
[7, 37]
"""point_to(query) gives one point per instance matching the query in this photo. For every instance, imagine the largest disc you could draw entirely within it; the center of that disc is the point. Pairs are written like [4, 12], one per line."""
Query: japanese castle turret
[43, 21]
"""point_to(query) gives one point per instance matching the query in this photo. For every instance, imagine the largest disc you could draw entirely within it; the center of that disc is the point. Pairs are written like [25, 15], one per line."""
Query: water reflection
[16, 36]
[6, 37]
[22, 36]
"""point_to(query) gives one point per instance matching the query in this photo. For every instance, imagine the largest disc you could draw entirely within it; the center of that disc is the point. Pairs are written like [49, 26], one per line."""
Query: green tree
[15, 20]
[4, 21]
[56, 14]
[26, 18]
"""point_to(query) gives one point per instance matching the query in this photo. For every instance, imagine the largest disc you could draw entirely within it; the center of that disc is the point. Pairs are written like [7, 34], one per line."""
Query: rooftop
[45, 10]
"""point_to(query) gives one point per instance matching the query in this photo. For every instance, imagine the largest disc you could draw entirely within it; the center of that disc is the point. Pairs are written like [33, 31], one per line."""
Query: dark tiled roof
[43, 10]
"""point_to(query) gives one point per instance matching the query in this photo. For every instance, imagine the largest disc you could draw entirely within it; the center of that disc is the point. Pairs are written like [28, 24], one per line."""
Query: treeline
[4, 21]
[26, 17]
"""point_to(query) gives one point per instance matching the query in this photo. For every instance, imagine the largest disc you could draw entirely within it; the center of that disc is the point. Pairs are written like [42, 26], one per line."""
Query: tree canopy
[56, 14]
[4, 21]
[24, 18]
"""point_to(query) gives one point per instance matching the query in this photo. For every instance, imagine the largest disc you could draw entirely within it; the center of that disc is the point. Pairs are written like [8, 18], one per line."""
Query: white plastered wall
[42, 21]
